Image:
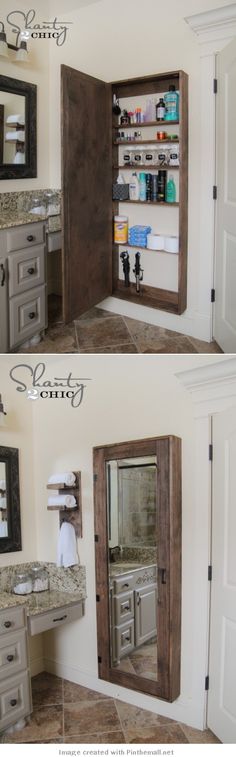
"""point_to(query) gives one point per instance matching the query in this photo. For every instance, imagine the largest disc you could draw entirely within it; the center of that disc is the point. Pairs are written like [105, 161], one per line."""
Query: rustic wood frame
[72, 515]
[12, 542]
[168, 453]
[28, 170]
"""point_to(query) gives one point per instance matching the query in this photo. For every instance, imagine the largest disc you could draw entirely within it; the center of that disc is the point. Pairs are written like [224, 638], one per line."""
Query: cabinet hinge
[214, 192]
[211, 452]
[99, 659]
[209, 572]
[207, 683]
[97, 597]
[95, 477]
[96, 537]
[215, 86]
[213, 295]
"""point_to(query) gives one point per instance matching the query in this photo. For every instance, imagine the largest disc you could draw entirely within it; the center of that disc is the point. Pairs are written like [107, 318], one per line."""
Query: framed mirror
[137, 497]
[10, 525]
[18, 142]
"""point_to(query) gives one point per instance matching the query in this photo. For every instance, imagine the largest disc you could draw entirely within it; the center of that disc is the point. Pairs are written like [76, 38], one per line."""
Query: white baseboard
[37, 666]
[185, 711]
[189, 324]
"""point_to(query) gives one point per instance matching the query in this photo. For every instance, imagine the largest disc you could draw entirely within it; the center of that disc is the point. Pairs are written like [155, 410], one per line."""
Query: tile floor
[99, 331]
[70, 714]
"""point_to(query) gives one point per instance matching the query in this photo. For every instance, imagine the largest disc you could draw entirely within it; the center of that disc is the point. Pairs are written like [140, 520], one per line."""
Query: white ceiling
[66, 6]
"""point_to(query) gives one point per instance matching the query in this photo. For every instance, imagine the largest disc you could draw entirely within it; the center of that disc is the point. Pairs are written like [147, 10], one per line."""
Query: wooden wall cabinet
[90, 164]
[166, 592]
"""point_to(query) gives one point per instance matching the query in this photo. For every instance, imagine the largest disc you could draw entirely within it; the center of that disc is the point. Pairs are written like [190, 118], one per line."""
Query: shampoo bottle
[170, 190]
[142, 187]
[134, 187]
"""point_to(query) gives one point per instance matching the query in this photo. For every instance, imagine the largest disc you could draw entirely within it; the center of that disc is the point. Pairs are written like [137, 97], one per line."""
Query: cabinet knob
[7, 624]
[30, 271]
[10, 657]
[32, 315]
[30, 238]
[13, 702]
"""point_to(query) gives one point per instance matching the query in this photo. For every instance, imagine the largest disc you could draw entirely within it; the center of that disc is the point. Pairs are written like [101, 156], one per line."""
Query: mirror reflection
[12, 128]
[132, 542]
[3, 502]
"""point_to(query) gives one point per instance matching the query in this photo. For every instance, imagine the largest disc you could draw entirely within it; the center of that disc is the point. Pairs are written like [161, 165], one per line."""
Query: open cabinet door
[87, 191]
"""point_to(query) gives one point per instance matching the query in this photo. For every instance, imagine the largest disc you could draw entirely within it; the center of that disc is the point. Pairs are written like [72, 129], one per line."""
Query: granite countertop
[43, 601]
[8, 219]
[117, 568]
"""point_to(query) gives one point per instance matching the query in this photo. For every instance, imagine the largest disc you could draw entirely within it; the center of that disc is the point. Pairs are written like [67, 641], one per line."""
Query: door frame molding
[212, 389]
[214, 30]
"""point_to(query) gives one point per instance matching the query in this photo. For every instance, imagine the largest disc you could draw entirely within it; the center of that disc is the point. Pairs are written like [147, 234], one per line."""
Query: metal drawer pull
[32, 315]
[56, 620]
[124, 606]
[30, 238]
[13, 702]
[125, 586]
[138, 599]
[124, 638]
[10, 657]
[7, 624]
[30, 271]
[3, 274]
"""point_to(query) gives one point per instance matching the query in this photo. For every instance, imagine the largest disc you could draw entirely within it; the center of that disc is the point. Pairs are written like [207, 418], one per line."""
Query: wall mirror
[137, 496]
[18, 153]
[10, 525]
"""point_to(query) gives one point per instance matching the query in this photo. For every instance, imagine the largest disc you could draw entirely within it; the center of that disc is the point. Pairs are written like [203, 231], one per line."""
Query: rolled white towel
[19, 158]
[67, 478]
[67, 554]
[12, 136]
[63, 500]
[3, 484]
[3, 503]
[3, 529]
[16, 119]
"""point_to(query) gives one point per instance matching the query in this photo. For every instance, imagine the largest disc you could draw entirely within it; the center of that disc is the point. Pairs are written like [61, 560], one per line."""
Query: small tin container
[161, 135]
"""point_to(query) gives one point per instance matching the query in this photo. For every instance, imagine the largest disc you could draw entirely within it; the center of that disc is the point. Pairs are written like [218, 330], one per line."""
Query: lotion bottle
[134, 188]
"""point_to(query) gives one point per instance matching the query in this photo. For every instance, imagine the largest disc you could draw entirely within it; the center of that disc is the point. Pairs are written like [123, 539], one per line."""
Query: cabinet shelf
[124, 143]
[144, 249]
[120, 127]
[149, 202]
[142, 167]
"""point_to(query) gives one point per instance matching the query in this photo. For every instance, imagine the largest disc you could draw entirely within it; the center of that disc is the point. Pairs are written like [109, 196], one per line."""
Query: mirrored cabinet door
[138, 564]
[10, 522]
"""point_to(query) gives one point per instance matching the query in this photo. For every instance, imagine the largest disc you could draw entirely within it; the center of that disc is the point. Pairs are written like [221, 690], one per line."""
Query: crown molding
[214, 25]
[212, 387]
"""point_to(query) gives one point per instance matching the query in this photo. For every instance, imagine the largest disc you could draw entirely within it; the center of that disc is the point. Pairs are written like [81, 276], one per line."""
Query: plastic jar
[120, 229]
[137, 157]
[149, 157]
[22, 582]
[40, 578]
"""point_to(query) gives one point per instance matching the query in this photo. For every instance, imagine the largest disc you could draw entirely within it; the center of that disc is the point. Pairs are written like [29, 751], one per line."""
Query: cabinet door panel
[145, 614]
[87, 191]
[3, 305]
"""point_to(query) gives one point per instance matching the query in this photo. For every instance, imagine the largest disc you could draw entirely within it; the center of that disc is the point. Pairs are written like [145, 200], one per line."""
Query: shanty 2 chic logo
[65, 387]
[22, 24]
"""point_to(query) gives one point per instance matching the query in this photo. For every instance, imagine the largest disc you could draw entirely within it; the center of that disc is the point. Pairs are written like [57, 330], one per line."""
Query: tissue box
[120, 191]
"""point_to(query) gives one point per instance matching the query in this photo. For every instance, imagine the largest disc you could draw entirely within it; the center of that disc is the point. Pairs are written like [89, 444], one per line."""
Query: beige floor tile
[155, 735]
[165, 345]
[46, 689]
[111, 737]
[102, 332]
[135, 717]
[199, 737]
[45, 724]
[73, 692]
[90, 717]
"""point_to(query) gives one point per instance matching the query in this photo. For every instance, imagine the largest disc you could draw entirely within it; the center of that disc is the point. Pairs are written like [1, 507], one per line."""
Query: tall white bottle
[134, 187]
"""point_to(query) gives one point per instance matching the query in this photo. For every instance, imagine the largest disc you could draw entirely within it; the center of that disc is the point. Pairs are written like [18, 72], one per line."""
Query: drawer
[123, 607]
[13, 654]
[26, 269]
[27, 315]
[125, 583]
[15, 699]
[11, 620]
[124, 637]
[25, 236]
[54, 618]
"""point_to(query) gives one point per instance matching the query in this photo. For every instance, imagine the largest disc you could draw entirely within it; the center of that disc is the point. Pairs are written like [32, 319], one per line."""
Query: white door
[225, 263]
[222, 666]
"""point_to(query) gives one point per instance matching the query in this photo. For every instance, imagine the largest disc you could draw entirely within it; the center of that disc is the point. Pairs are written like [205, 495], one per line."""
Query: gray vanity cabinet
[133, 617]
[15, 686]
[24, 299]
